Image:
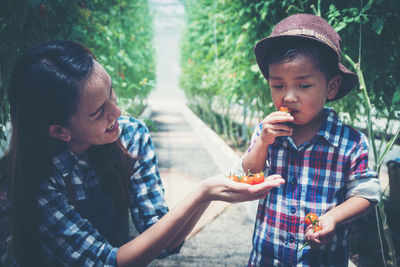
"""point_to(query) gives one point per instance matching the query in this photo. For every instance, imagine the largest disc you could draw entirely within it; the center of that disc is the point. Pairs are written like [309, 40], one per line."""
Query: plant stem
[380, 208]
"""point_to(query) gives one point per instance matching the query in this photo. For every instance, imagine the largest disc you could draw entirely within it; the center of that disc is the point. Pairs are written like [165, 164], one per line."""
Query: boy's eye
[304, 86]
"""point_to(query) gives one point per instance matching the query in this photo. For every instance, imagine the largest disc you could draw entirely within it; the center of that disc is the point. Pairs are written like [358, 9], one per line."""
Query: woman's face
[95, 121]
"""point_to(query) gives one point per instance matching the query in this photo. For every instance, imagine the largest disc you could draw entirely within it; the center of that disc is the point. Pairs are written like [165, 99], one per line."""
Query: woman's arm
[188, 227]
[177, 223]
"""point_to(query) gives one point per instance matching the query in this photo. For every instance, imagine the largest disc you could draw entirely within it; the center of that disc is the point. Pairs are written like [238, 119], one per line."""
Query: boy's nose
[290, 96]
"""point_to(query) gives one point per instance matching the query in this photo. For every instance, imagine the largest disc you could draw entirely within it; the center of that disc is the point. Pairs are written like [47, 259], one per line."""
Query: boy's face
[299, 85]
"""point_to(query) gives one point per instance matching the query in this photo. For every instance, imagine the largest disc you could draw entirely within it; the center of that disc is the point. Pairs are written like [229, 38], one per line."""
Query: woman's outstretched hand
[221, 188]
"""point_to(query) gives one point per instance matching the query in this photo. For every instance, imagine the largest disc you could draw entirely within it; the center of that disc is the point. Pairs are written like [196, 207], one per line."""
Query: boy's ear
[59, 132]
[333, 86]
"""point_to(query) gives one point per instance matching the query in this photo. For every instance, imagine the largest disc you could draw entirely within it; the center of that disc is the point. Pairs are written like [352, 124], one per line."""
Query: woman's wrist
[203, 189]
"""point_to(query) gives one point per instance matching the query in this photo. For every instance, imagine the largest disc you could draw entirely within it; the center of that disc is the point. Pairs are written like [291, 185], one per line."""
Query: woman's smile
[112, 128]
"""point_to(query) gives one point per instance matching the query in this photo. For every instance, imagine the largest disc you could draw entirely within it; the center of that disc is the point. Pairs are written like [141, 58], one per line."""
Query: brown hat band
[312, 33]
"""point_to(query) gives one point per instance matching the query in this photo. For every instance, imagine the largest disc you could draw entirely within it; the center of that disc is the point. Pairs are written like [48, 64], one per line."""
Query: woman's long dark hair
[44, 89]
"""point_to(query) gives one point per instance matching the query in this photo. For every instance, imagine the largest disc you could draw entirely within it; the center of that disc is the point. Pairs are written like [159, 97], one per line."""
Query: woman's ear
[59, 132]
[333, 86]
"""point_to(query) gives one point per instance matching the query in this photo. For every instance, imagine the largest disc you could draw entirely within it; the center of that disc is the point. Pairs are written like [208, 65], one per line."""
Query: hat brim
[349, 78]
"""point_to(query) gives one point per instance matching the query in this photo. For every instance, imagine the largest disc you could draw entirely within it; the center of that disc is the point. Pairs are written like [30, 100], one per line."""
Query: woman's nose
[115, 112]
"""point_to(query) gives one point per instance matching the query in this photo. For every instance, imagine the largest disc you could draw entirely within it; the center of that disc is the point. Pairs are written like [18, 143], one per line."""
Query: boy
[324, 162]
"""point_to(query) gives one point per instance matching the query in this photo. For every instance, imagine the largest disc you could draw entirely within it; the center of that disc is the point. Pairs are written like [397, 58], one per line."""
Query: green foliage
[118, 32]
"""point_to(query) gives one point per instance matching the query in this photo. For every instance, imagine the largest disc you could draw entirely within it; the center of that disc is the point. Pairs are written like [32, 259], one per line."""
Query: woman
[77, 168]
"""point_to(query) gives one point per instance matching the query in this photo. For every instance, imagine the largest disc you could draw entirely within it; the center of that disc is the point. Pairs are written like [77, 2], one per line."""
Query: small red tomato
[233, 178]
[317, 228]
[311, 218]
[246, 179]
[258, 178]
[42, 10]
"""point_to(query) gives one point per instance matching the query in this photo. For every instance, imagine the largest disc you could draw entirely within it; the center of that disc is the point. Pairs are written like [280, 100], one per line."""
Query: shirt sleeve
[361, 180]
[68, 237]
[147, 192]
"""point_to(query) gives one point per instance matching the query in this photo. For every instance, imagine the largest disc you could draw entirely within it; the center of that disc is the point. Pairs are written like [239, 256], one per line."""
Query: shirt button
[293, 210]
[291, 238]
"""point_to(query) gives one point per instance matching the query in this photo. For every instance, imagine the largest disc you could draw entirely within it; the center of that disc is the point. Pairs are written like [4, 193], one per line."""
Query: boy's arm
[349, 210]
[272, 126]
[255, 159]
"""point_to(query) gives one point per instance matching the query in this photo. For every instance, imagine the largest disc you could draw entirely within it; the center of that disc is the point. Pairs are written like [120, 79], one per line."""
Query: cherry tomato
[311, 218]
[317, 228]
[234, 178]
[42, 10]
[258, 178]
[246, 179]
[284, 109]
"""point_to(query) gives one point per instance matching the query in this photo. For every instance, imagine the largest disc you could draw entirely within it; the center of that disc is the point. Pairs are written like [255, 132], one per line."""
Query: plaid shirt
[320, 174]
[71, 240]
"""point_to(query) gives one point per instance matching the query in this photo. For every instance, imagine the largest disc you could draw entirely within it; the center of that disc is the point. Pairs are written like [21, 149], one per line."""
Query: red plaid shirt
[320, 174]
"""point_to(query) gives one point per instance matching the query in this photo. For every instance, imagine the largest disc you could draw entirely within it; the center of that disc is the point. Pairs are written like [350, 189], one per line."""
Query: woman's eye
[100, 114]
[277, 86]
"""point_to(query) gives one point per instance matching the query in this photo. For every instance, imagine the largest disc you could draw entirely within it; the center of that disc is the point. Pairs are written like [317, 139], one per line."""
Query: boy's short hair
[324, 59]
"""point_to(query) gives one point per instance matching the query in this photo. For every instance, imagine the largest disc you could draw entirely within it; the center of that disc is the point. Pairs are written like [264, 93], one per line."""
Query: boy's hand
[274, 125]
[324, 236]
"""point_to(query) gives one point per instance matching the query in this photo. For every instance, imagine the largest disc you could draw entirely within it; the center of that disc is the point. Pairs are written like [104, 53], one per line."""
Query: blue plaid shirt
[71, 240]
[320, 174]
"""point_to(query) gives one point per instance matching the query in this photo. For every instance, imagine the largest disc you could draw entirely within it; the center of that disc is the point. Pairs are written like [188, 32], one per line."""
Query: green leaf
[377, 26]
[396, 97]
[340, 26]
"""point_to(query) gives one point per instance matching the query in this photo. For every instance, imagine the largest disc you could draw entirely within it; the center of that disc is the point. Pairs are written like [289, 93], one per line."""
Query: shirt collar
[66, 161]
[331, 127]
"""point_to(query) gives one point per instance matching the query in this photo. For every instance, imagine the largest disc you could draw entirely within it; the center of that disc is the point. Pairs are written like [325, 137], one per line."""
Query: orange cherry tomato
[317, 228]
[246, 179]
[311, 218]
[258, 178]
[284, 109]
[234, 178]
